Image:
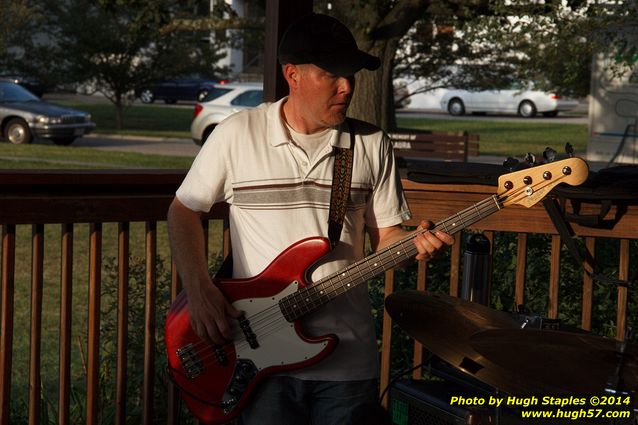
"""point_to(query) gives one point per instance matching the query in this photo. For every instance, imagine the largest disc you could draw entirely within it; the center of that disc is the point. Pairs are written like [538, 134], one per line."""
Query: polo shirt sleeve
[209, 181]
[387, 205]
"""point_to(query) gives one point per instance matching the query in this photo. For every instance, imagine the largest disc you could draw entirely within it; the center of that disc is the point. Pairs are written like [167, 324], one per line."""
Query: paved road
[158, 146]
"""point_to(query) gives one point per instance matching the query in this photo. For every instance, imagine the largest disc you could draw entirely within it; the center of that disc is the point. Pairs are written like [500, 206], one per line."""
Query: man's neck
[290, 114]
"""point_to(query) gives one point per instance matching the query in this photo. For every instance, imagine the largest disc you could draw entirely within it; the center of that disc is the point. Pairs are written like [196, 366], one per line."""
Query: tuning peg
[510, 163]
[569, 149]
[530, 158]
[549, 154]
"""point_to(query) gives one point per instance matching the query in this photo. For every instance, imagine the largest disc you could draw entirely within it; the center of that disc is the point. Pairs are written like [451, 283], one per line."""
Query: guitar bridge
[190, 361]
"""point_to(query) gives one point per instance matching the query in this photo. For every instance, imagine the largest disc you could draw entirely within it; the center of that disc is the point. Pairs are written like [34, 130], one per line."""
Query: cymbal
[444, 324]
[555, 361]
[491, 346]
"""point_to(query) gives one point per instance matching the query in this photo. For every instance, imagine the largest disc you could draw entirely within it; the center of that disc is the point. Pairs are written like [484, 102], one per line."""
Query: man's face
[324, 97]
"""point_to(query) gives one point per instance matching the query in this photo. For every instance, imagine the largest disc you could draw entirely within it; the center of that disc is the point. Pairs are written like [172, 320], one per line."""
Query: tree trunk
[378, 32]
[373, 99]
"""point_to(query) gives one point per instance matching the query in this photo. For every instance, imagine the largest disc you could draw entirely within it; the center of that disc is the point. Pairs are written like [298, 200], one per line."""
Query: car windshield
[14, 93]
[250, 98]
[215, 92]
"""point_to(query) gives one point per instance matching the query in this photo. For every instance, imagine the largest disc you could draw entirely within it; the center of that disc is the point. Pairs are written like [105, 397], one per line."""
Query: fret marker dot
[398, 252]
[375, 264]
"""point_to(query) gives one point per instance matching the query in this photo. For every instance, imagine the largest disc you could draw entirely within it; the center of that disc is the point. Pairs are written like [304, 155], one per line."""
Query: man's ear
[291, 74]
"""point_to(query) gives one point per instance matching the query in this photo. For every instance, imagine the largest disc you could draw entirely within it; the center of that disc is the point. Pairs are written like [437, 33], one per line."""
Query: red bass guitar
[217, 382]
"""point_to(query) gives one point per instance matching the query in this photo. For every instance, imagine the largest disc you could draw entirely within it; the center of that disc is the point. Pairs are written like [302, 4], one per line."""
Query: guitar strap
[341, 182]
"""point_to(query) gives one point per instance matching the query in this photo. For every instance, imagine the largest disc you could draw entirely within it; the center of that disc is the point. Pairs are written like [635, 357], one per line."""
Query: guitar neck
[308, 299]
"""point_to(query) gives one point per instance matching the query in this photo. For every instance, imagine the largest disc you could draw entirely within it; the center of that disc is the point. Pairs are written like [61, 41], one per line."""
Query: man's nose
[346, 84]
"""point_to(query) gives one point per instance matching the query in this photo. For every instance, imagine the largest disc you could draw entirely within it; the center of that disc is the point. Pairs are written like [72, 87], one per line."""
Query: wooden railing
[69, 199]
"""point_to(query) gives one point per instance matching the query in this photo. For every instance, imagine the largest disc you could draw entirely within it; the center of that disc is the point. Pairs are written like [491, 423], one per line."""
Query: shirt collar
[278, 135]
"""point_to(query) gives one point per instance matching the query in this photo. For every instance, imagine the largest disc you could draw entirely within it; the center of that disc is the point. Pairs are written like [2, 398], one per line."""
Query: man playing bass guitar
[274, 166]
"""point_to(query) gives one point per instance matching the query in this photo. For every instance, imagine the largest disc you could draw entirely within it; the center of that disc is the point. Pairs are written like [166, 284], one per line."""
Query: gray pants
[282, 400]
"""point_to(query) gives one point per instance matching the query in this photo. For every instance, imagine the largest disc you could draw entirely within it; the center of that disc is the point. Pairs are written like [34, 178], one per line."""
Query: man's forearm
[186, 236]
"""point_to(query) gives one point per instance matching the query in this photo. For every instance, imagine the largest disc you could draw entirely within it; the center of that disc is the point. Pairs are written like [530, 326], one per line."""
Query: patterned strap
[341, 180]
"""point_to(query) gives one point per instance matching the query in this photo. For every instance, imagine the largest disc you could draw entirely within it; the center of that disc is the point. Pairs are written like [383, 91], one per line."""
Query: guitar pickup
[190, 361]
[250, 336]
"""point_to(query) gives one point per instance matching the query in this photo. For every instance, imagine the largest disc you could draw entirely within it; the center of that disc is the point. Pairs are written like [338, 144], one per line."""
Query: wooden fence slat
[588, 283]
[6, 325]
[623, 274]
[35, 349]
[123, 253]
[93, 342]
[417, 359]
[386, 338]
[554, 276]
[521, 268]
[150, 304]
[455, 264]
[66, 308]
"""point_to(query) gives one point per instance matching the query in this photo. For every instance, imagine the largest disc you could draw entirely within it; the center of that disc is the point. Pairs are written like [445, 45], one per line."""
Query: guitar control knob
[567, 171]
[547, 175]
[527, 180]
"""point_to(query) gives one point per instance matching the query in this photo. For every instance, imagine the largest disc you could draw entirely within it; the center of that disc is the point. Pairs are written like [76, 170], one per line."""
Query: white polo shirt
[277, 197]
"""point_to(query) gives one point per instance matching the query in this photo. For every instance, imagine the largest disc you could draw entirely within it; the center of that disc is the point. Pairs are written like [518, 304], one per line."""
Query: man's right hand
[208, 308]
[209, 311]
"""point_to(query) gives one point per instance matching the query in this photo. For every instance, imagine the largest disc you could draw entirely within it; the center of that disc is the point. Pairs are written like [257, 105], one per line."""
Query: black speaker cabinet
[415, 402]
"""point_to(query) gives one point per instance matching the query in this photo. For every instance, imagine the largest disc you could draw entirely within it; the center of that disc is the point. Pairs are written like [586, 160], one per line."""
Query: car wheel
[202, 95]
[17, 132]
[456, 107]
[63, 141]
[206, 133]
[550, 114]
[147, 96]
[527, 109]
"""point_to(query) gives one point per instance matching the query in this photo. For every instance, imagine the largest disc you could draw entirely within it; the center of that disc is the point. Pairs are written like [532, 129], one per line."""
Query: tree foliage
[14, 15]
[113, 46]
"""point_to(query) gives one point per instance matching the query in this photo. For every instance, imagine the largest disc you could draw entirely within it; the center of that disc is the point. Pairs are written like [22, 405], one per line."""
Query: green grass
[510, 138]
[147, 120]
[70, 157]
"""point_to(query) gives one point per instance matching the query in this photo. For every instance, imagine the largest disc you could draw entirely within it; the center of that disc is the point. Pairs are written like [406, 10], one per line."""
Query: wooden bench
[448, 146]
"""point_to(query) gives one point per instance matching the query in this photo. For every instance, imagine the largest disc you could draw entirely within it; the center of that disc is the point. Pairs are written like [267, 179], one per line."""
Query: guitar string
[269, 317]
[274, 310]
[267, 321]
[270, 320]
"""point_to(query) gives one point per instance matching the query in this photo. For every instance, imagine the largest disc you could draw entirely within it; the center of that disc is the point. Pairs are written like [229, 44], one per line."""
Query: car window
[10, 92]
[215, 92]
[250, 98]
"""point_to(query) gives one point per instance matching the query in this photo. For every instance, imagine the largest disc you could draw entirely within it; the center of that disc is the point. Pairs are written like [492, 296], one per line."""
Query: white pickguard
[279, 343]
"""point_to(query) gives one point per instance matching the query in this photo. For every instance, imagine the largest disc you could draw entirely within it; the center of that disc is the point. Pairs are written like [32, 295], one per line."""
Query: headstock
[530, 185]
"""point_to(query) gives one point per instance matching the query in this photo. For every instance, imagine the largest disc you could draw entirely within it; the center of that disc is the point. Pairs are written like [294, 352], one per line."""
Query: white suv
[223, 100]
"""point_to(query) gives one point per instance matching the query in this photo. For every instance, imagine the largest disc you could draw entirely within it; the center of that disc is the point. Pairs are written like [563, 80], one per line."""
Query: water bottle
[477, 270]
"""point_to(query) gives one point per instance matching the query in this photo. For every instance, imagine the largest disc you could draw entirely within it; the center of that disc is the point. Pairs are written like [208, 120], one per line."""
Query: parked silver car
[23, 117]
[222, 101]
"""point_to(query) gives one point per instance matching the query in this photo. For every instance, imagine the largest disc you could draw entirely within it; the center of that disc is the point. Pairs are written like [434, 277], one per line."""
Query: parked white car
[223, 100]
[515, 100]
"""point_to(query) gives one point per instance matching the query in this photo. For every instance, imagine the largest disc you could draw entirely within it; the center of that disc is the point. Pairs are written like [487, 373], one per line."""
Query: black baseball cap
[324, 41]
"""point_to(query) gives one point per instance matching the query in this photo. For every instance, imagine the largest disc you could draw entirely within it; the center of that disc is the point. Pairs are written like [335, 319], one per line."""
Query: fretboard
[308, 299]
